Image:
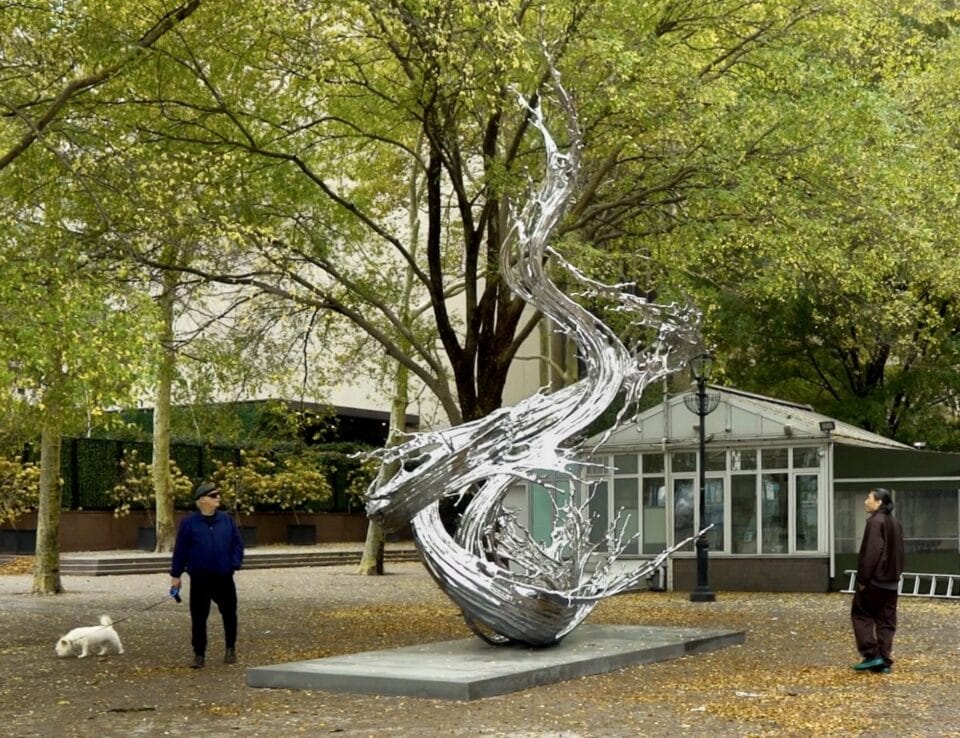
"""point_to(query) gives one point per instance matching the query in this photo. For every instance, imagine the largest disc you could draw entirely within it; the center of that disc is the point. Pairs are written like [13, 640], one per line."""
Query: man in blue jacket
[209, 548]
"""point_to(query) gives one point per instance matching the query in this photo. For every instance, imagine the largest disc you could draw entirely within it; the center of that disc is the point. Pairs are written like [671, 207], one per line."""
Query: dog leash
[174, 594]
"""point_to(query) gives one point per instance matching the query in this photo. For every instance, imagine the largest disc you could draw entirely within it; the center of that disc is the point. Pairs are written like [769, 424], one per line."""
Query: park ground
[792, 677]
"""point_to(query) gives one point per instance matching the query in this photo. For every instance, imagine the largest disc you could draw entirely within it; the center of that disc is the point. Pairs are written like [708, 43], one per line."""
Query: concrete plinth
[470, 669]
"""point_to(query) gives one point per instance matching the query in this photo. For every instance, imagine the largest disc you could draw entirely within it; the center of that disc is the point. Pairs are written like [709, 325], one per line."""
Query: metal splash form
[510, 587]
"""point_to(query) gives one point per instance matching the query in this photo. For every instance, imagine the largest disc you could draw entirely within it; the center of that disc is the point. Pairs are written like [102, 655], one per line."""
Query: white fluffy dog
[91, 639]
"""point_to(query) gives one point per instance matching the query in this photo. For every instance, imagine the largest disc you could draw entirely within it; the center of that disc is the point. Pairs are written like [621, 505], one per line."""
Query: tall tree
[62, 66]
[827, 269]
[371, 562]
[331, 99]
[74, 338]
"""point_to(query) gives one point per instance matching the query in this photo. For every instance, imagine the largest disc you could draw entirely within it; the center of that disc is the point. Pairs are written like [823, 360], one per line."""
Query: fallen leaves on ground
[17, 565]
[791, 677]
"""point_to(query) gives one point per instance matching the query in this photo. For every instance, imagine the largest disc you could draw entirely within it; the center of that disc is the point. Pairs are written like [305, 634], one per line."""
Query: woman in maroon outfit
[879, 566]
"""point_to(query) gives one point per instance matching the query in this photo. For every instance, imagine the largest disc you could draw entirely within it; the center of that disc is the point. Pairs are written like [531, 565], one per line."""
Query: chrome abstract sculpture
[510, 587]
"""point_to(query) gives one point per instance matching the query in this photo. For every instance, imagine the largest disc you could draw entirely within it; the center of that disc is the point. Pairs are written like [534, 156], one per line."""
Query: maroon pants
[874, 616]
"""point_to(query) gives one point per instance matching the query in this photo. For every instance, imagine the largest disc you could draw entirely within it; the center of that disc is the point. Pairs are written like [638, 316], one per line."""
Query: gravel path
[791, 678]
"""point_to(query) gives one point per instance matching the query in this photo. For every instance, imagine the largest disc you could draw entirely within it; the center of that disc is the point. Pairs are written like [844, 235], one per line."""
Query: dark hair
[885, 497]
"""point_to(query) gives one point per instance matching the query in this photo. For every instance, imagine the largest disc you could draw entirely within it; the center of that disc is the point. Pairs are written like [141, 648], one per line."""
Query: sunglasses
[214, 495]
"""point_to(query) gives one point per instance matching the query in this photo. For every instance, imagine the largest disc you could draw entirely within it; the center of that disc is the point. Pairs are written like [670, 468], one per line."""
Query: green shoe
[869, 664]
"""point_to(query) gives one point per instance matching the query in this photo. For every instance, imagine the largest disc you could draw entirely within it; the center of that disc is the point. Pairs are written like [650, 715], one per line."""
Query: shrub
[298, 482]
[243, 486]
[135, 489]
[299, 485]
[19, 489]
[360, 477]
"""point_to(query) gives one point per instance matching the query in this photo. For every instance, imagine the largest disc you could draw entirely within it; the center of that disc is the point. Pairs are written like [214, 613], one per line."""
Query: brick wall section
[756, 574]
[94, 530]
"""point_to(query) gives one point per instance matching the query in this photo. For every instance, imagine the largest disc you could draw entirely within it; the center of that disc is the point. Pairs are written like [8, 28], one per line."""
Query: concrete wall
[100, 531]
[760, 574]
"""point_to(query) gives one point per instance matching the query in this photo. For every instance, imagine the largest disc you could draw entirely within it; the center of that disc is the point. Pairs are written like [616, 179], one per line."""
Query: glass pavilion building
[784, 489]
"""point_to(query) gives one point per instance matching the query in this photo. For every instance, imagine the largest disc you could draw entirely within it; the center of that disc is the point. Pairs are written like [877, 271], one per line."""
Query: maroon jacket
[881, 550]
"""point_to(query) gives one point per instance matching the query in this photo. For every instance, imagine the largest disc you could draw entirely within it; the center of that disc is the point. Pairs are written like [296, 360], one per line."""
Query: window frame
[669, 478]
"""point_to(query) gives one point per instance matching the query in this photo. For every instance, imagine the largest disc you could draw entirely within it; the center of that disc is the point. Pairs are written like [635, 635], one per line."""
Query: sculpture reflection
[510, 587]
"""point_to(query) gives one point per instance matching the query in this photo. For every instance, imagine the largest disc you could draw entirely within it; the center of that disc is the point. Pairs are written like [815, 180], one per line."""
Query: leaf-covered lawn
[792, 677]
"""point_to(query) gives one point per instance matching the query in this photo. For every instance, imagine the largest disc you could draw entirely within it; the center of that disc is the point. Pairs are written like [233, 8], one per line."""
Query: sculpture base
[470, 669]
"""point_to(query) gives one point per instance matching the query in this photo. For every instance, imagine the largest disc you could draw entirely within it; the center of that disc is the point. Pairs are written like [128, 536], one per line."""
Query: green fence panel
[90, 468]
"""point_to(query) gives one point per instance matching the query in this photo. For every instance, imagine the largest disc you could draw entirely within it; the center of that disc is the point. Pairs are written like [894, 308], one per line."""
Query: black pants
[874, 616]
[204, 589]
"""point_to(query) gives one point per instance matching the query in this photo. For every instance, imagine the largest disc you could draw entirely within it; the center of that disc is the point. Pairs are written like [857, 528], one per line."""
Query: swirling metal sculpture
[510, 587]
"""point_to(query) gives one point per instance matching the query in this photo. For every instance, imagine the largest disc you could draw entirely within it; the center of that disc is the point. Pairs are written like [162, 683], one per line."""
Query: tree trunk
[162, 488]
[371, 564]
[46, 573]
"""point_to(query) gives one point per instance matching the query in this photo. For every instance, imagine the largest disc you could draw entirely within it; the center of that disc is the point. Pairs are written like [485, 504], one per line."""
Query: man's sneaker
[230, 656]
[870, 663]
[197, 662]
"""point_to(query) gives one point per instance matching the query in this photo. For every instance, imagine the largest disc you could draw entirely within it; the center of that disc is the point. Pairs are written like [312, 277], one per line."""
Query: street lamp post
[702, 404]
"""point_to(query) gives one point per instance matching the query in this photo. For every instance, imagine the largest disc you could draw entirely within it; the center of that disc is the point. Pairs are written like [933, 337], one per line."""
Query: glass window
[545, 500]
[807, 511]
[743, 513]
[683, 461]
[654, 515]
[773, 512]
[654, 493]
[929, 519]
[682, 509]
[716, 461]
[713, 512]
[626, 504]
[848, 518]
[773, 458]
[806, 458]
[597, 467]
[599, 520]
[743, 460]
[625, 463]
[653, 463]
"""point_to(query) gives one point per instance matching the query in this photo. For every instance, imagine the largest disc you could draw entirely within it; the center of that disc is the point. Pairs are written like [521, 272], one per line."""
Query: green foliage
[816, 235]
[790, 167]
[298, 485]
[243, 485]
[361, 477]
[19, 489]
[299, 482]
[262, 424]
[18, 428]
[135, 490]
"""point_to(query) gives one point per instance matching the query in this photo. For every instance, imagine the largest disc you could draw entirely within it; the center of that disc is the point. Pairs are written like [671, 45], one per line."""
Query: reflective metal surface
[510, 587]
